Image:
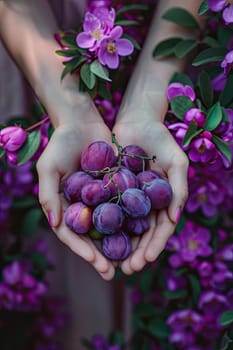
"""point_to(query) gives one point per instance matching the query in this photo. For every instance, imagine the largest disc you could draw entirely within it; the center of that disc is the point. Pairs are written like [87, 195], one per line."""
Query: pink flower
[92, 32]
[228, 60]
[202, 149]
[178, 89]
[222, 5]
[196, 116]
[12, 138]
[113, 47]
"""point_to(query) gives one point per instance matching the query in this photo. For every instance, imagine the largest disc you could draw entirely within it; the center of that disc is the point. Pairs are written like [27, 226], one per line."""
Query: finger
[126, 265]
[177, 177]
[164, 229]
[138, 260]
[49, 198]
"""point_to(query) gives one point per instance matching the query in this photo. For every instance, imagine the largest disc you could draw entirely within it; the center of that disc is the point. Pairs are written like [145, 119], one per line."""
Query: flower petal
[124, 47]
[85, 40]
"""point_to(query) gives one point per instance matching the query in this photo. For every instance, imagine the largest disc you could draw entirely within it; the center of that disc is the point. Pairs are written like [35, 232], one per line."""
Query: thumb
[49, 198]
[177, 177]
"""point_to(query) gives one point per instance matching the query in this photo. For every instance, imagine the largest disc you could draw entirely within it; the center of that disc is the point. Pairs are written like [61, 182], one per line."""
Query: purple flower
[213, 303]
[106, 17]
[178, 89]
[12, 138]
[222, 5]
[179, 130]
[185, 324]
[227, 63]
[192, 242]
[196, 116]
[92, 33]
[113, 47]
[219, 81]
[202, 149]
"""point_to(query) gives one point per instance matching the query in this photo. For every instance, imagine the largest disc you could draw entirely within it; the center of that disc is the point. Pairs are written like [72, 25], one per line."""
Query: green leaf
[144, 310]
[116, 337]
[68, 53]
[29, 148]
[31, 221]
[181, 17]
[131, 7]
[210, 41]
[184, 47]
[25, 202]
[69, 40]
[203, 7]
[205, 88]
[2, 152]
[180, 105]
[226, 95]
[226, 318]
[87, 76]
[224, 34]
[146, 281]
[191, 132]
[214, 117]
[195, 287]
[165, 47]
[125, 22]
[209, 55]
[176, 294]
[103, 90]
[181, 78]
[100, 71]
[39, 260]
[158, 328]
[72, 65]
[223, 147]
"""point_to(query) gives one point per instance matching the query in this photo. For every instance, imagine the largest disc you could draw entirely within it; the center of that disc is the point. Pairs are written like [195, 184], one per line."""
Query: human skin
[77, 122]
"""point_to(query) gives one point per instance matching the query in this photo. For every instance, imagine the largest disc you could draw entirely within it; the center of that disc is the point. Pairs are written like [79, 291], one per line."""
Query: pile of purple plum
[110, 197]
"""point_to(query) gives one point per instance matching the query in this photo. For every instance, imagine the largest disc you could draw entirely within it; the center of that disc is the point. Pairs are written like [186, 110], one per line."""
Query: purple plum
[135, 202]
[78, 217]
[94, 193]
[131, 158]
[136, 226]
[108, 218]
[120, 180]
[147, 176]
[97, 156]
[160, 193]
[117, 246]
[73, 185]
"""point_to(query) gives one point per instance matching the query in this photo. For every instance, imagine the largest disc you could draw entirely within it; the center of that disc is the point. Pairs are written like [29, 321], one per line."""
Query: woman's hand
[61, 158]
[171, 161]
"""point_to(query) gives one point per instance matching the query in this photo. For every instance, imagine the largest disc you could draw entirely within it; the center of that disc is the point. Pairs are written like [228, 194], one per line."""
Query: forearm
[27, 30]
[151, 76]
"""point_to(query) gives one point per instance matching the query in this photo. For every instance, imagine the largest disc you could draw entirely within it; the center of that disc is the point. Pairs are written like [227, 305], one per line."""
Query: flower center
[230, 1]
[202, 197]
[96, 34]
[111, 47]
[202, 148]
[193, 245]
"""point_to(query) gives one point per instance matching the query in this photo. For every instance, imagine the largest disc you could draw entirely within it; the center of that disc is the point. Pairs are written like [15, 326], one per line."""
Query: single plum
[78, 217]
[137, 226]
[120, 180]
[160, 193]
[73, 185]
[108, 218]
[97, 156]
[147, 176]
[94, 193]
[131, 158]
[135, 202]
[117, 246]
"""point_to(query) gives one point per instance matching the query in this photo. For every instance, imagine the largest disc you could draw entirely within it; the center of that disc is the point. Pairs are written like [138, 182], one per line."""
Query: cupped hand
[171, 161]
[60, 158]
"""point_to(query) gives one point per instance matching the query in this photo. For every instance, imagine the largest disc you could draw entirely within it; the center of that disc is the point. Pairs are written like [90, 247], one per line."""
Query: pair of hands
[62, 157]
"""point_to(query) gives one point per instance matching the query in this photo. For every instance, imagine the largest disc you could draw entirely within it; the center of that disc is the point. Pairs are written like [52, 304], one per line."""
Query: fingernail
[178, 214]
[51, 219]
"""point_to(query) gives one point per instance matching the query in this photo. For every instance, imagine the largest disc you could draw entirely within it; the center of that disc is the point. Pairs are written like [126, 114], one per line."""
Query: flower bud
[12, 138]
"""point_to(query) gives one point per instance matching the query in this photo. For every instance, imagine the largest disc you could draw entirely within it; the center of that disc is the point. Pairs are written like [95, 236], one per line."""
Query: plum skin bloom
[113, 47]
